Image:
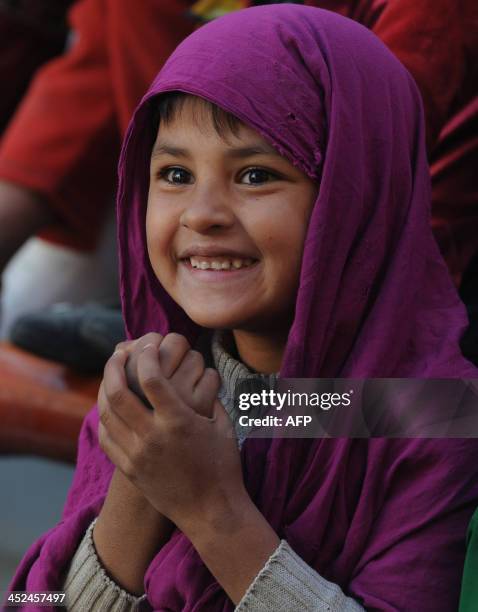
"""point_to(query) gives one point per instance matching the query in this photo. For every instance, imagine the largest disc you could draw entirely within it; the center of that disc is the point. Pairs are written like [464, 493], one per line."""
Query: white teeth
[223, 264]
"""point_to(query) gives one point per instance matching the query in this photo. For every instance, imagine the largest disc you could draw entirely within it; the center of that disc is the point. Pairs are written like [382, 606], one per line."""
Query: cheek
[283, 238]
[159, 236]
[286, 252]
[295, 231]
[151, 233]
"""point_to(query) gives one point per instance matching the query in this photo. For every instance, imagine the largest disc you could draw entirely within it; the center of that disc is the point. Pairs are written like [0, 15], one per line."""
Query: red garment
[30, 34]
[64, 140]
[437, 40]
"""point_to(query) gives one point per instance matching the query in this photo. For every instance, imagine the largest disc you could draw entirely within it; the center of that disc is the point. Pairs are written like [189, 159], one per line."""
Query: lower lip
[218, 275]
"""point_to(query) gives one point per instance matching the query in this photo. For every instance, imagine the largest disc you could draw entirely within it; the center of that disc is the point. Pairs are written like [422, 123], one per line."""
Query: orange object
[42, 405]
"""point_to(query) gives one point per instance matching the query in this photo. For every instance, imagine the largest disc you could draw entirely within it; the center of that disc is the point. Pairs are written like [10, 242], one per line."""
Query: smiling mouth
[217, 263]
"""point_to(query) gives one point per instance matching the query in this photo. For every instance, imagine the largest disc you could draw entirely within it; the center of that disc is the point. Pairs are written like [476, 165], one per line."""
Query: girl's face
[226, 222]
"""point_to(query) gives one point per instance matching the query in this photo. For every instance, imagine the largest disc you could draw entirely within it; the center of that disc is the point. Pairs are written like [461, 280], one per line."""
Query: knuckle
[140, 343]
[151, 337]
[111, 366]
[196, 358]
[213, 378]
[151, 443]
[128, 468]
[178, 341]
[124, 344]
[213, 374]
[104, 416]
[117, 397]
[137, 454]
[178, 428]
[150, 383]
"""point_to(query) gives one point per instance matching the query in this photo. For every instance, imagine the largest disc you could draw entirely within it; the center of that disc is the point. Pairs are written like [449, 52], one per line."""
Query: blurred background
[34, 492]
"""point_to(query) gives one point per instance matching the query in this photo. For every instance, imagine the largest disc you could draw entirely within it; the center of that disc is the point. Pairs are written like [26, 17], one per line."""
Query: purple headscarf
[385, 519]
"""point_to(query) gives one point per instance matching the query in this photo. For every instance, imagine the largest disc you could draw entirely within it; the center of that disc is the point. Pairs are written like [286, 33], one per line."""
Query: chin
[215, 320]
[214, 323]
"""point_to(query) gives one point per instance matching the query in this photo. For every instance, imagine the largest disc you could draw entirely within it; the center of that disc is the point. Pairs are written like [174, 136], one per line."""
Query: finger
[125, 345]
[131, 367]
[114, 452]
[134, 349]
[156, 387]
[149, 338]
[121, 400]
[189, 371]
[222, 420]
[171, 353]
[117, 429]
[205, 392]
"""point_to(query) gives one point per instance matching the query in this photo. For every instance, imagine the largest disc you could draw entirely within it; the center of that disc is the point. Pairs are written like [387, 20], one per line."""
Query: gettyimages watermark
[357, 408]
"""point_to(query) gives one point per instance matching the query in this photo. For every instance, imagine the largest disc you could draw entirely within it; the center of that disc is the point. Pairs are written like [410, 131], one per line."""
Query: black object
[82, 337]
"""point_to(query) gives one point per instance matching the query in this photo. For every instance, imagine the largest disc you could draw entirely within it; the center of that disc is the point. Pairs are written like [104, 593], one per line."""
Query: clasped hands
[181, 452]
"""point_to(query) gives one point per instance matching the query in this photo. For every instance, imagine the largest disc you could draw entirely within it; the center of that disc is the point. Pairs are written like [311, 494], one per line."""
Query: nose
[207, 208]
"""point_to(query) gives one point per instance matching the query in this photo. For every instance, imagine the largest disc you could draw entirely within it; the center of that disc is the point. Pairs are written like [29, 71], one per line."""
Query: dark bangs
[170, 106]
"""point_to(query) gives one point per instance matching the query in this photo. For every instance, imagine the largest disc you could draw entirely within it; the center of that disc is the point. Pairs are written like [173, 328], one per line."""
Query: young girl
[278, 218]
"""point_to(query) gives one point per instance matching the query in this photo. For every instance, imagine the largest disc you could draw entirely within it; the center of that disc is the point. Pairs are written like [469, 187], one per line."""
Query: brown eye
[176, 176]
[257, 176]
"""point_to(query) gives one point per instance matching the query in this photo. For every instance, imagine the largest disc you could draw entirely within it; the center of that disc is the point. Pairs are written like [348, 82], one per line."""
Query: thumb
[222, 419]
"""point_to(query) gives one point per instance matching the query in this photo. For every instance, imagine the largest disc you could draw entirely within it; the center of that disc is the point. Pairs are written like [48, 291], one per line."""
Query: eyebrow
[241, 152]
[165, 149]
[233, 152]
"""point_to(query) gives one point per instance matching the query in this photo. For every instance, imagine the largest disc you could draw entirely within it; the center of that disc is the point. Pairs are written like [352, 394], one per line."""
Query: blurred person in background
[59, 151]
[30, 34]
